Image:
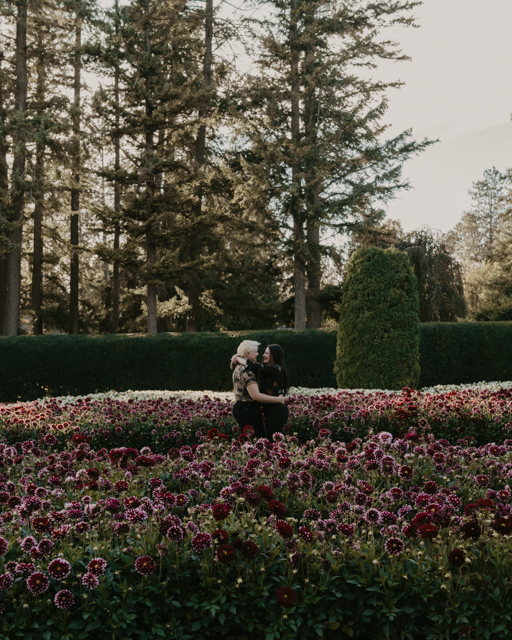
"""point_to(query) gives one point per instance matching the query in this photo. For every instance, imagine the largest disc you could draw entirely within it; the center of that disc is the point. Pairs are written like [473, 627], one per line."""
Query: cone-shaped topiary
[379, 330]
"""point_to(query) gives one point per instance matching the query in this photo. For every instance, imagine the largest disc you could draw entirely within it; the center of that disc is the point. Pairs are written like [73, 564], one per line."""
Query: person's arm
[254, 391]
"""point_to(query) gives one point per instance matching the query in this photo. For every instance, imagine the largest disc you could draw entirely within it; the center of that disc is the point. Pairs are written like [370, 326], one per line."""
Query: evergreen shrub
[35, 366]
[379, 329]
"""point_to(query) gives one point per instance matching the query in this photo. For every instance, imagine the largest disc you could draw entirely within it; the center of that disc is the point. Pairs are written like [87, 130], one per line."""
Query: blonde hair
[245, 347]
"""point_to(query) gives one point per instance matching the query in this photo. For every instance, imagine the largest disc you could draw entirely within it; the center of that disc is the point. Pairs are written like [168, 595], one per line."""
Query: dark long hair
[277, 354]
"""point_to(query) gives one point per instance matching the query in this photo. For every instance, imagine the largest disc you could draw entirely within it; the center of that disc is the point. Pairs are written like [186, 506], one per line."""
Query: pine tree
[316, 128]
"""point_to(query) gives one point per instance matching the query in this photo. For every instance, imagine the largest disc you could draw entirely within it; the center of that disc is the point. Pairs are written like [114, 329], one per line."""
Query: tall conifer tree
[316, 126]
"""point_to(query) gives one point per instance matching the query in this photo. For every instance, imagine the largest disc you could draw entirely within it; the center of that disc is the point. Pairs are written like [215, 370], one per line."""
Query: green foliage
[379, 330]
[35, 366]
[464, 352]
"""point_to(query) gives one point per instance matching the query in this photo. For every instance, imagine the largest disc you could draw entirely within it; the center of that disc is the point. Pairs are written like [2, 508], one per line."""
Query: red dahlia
[226, 553]
[471, 529]
[220, 534]
[428, 531]
[284, 529]
[457, 557]
[64, 599]
[277, 508]
[249, 549]
[265, 492]
[286, 596]
[503, 525]
[221, 511]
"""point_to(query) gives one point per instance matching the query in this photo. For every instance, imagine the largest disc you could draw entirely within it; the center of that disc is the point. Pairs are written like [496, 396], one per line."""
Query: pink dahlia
[97, 566]
[38, 583]
[64, 599]
[59, 569]
[90, 580]
[201, 541]
[145, 566]
[6, 581]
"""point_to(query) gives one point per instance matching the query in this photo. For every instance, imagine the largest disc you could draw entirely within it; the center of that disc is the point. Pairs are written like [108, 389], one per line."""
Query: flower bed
[376, 538]
[481, 414]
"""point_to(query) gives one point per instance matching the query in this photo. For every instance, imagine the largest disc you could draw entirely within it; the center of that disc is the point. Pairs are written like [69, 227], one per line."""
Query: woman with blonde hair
[247, 407]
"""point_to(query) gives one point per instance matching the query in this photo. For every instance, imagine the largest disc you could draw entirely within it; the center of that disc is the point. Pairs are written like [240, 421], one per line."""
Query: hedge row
[34, 366]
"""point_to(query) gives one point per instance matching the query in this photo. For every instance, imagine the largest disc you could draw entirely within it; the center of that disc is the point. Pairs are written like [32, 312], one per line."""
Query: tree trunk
[151, 253]
[37, 266]
[4, 188]
[299, 279]
[116, 283]
[75, 192]
[194, 281]
[12, 305]
[3, 290]
[151, 284]
[314, 310]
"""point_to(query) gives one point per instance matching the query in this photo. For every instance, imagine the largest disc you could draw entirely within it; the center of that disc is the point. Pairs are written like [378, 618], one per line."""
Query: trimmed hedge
[34, 366]
[465, 352]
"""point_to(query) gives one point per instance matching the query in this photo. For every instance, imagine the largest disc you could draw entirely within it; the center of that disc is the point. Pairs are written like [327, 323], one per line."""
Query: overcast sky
[458, 88]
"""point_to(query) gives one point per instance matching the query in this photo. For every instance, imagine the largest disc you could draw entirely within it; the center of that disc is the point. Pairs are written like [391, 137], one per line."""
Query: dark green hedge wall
[34, 366]
[464, 352]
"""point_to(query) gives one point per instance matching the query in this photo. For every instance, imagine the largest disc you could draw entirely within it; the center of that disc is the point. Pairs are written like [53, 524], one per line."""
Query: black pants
[276, 416]
[249, 413]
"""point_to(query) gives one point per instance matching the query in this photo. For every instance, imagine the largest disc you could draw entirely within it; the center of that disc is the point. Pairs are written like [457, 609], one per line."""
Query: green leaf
[93, 625]
[222, 618]
[47, 635]
[77, 624]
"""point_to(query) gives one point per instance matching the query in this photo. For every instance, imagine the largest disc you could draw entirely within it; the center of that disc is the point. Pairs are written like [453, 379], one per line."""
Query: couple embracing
[260, 388]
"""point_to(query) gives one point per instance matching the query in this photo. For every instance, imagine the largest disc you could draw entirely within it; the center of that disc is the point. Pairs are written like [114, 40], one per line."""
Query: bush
[35, 366]
[379, 330]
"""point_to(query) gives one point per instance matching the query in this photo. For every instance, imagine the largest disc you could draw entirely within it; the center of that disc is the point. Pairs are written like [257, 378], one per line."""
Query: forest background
[180, 165]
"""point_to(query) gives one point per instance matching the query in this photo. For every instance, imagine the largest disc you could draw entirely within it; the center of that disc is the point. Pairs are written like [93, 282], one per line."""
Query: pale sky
[458, 88]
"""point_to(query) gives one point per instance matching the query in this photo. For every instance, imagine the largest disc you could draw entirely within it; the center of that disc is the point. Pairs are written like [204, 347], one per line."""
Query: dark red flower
[503, 525]
[286, 596]
[277, 508]
[284, 529]
[221, 511]
[428, 531]
[213, 433]
[220, 534]
[422, 518]
[265, 492]
[249, 549]
[226, 553]
[410, 531]
[471, 529]
[457, 557]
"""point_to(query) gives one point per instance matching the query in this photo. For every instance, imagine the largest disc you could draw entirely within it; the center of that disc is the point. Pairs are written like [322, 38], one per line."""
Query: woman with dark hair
[273, 381]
